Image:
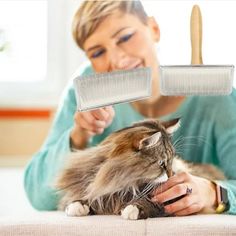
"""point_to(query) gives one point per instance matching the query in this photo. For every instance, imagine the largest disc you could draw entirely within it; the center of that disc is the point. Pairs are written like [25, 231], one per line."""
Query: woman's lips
[139, 65]
[133, 66]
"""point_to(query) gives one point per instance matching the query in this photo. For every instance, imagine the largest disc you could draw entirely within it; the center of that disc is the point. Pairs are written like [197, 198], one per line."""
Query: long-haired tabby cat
[117, 176]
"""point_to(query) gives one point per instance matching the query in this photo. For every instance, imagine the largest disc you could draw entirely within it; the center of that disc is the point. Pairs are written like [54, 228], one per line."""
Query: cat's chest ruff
[179, 166]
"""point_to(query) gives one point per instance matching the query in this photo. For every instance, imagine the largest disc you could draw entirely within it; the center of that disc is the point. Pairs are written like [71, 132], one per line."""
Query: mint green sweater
[207, 133]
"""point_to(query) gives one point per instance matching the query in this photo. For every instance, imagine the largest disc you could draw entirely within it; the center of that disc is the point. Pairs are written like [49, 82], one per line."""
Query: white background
[173, 17]
[219, 31]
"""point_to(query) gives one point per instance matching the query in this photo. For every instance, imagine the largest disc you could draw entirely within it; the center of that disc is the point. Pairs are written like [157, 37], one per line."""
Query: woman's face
[122, 42]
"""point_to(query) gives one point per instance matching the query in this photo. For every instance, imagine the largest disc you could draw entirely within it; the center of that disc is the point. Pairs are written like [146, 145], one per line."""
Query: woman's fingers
[83, 116]
[111, 113]
[87, 122]
[172, 181]
[110, 110]
[100, 114]
[95, 121]
[181, 204]
[194, 208]
[104, 114]
[188, 194]
[90, 123]
[171, 193]
[175, 187]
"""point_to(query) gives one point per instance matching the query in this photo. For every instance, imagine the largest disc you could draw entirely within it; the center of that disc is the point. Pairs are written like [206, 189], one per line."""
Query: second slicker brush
[196, 79]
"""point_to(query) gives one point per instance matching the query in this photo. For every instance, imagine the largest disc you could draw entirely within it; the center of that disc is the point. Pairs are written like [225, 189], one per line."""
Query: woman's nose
[119, 60]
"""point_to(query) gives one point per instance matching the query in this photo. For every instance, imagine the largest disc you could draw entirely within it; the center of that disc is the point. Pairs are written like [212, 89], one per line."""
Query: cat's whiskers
[178, 140]
[145, 191]
[179, 144]
[197, 138]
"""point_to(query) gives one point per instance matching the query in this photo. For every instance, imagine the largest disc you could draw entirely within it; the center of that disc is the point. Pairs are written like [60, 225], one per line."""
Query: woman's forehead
[110, 25]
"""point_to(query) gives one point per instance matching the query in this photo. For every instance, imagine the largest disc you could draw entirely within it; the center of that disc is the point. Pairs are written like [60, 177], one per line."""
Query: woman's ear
[154, 28]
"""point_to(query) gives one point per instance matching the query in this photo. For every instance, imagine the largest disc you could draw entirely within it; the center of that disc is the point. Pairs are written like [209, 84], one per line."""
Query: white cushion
[58, 224]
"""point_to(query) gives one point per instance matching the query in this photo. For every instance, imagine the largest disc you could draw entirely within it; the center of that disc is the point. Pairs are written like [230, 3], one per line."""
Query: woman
[118, 35]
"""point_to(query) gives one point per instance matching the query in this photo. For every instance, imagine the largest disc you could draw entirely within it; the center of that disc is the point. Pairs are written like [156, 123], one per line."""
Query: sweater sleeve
[43, 167]
[40, 173]
[225, 133]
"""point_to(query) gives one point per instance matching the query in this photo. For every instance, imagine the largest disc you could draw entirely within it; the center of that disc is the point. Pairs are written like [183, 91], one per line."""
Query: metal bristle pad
[103, 89]
[196, 80]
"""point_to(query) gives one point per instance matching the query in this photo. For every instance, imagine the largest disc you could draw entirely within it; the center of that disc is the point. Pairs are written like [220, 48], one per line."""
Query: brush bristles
[103, 89]
[196, 80]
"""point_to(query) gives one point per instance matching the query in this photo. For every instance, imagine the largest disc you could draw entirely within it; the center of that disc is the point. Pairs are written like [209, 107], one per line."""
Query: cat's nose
[169, 173]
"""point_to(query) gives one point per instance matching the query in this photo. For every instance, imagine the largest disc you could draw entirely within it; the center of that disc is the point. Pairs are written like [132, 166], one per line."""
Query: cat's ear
[171, 125]
[149, 141]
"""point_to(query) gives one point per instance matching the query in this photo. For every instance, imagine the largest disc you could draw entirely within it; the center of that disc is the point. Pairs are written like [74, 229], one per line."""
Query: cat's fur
[117, 176]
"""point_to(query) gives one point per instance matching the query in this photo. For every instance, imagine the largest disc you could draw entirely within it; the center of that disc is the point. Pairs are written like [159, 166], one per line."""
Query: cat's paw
[131, 212]
[77, 209]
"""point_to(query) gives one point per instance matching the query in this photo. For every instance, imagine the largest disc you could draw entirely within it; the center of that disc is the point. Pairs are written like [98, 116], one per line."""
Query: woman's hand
[90, 123]
[199, 193]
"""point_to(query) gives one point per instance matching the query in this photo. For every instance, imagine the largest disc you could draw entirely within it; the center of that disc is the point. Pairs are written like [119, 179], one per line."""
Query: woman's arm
[70, 130]
[226, 149]
[43, 167]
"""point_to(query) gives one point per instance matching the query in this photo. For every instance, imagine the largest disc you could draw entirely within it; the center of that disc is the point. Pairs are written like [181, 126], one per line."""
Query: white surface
[58, 224]
[13, 200]
[17, 218]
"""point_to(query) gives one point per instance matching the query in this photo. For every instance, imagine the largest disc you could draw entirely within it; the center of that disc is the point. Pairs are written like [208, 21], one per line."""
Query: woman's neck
[164, 105]
[157, 105]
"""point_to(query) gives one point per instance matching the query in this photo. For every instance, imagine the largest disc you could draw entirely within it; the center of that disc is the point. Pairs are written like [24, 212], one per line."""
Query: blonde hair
[91, 13]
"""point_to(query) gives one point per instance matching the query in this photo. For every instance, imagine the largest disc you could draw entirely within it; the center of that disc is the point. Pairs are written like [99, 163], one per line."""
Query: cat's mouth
[161, 179]
[148, 187]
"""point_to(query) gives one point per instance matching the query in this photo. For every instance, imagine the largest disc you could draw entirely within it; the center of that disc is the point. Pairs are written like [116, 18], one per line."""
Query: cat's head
[144, 148]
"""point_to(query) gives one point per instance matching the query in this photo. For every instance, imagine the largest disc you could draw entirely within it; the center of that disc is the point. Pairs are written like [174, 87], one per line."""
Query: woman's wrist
[78, 138]
[212, 195]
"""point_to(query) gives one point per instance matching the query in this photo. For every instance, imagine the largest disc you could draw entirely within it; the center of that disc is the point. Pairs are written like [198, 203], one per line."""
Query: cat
[117, 176]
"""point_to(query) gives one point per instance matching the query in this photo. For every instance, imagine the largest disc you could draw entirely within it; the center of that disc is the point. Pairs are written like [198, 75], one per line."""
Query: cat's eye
[161, 163]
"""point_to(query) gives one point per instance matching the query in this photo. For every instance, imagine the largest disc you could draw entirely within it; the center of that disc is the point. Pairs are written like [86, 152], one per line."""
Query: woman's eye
[125, 38]
[98, 53]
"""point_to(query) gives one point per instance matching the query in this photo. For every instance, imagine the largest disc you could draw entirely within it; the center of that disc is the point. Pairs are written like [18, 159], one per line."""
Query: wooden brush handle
[196, 35]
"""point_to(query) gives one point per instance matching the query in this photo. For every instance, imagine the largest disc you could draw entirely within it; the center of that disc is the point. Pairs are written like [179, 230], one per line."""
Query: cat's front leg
[134, 212]
[77, 209]
[143, 209]
[130, 212]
